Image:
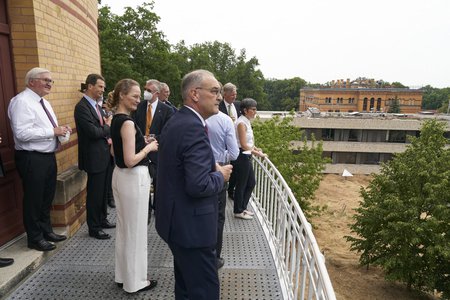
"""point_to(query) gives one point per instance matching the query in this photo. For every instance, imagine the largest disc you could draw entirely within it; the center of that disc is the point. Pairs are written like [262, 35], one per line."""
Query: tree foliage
[402, 223]
[301, 167]
[434, 98]
[284, 94]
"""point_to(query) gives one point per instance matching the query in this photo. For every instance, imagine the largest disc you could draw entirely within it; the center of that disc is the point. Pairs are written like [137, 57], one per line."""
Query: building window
[372, 103]
[378, 104]
[365, 104]
[328, 100]
[328, 134]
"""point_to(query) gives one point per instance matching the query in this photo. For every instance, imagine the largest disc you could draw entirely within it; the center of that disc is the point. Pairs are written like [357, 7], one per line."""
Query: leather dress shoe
[100, 235]
[220, 262]
[53, 237]
[4, 262]
[107, 225]
[111, 203]
[42, 245]
[152, 284]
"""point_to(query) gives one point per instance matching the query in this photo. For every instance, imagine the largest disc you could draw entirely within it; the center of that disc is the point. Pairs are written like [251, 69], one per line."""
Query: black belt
[35, 152]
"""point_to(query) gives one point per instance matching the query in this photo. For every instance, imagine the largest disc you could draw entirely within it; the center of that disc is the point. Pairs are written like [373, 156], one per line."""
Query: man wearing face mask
[151, 116]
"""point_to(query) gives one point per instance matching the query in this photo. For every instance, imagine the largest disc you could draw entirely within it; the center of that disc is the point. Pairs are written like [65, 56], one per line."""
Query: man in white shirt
[36, 132]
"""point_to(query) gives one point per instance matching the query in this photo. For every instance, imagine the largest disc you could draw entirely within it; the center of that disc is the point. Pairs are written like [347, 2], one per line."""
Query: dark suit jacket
[93, 148]
[223, 108]
[188, 184]
[162, 114]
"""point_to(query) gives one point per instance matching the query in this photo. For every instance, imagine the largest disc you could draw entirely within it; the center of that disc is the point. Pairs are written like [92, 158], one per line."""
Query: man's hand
[107, 120]
[225, 170]
[61, 130]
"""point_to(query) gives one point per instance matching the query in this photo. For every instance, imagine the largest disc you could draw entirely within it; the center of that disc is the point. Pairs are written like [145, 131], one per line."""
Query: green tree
[402, 223]
[301, 167]
[132, 47]
[434, 98]
[284, 94]
[395, 107]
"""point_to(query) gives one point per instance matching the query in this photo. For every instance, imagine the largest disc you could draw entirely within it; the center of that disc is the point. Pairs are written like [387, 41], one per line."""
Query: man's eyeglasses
[47, 80]
[150, 91]
[215, 91]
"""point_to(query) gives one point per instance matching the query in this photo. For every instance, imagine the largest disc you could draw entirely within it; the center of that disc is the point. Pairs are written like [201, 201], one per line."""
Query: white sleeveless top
[249, 131]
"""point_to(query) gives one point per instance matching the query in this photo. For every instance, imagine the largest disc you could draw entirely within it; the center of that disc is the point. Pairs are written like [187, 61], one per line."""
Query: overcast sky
[320, 40]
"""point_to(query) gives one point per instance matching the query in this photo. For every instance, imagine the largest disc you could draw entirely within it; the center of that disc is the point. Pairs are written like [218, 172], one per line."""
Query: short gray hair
[164, 85]
[247, 103]
[154, 82]
[194, 78]
[33, 73]
[229, 87]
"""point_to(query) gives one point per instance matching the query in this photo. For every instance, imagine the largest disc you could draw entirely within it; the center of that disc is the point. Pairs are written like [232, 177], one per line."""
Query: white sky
[320, 40]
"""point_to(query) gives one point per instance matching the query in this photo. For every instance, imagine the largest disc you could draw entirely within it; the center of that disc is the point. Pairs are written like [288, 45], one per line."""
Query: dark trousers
[232, 181]
[221, 220]
[95, 200]
[108, 194]
[245, 182]
[195, 273]
[152, 171]
[38, 173]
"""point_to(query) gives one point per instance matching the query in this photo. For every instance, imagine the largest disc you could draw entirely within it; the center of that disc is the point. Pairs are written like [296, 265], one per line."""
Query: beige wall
[410, 100]
[61, 36]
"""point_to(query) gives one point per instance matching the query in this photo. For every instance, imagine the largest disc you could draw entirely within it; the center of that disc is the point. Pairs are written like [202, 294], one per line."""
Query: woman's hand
[151, 147]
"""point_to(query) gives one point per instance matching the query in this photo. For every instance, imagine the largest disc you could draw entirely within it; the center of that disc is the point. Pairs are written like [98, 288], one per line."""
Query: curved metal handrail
[300, 264]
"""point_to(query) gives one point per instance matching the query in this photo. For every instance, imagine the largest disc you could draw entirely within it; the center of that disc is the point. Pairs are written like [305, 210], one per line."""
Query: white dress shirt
[233, 112]
[32, 129]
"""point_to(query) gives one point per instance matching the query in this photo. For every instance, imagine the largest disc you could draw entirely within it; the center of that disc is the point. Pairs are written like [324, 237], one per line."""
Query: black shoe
[220, 262]
[107, 225]
[53, 237]
[100, 235]
[42, 245]
[152, 284]
[111, 203]
[4, 262]
[119, 284]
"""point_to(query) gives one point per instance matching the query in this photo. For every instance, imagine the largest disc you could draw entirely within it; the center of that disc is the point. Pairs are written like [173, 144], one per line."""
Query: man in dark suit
[189, 181]
[164, 96]
[232, 108]
[154, 123]
[229, 105]
[93, 153]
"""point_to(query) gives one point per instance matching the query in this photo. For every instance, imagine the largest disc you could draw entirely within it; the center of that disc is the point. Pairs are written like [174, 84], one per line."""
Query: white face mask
[148, 96]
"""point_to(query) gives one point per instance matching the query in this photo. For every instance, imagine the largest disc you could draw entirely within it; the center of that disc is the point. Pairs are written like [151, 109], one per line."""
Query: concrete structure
[359, 142]
[61, 36]
[360, 96]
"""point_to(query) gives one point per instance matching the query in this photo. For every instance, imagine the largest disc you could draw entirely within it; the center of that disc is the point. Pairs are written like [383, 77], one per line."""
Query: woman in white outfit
[131, 189]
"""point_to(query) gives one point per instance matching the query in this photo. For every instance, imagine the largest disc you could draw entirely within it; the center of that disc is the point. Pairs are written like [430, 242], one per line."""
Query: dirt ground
[350, 281]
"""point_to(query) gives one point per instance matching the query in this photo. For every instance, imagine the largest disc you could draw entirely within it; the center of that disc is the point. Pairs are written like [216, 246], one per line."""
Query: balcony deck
[83, 268]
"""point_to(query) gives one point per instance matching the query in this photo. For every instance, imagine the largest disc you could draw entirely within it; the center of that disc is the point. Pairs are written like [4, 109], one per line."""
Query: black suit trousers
[195, 273]
[221, 220]
[38, 172]
[96, 200]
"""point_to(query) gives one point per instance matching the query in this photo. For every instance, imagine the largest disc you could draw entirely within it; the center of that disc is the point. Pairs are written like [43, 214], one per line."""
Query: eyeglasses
[215, 91]
[150, 91]
[47, 80]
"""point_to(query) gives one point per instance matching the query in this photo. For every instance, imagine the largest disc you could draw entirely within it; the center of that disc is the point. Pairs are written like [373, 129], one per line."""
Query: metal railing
[300, 264]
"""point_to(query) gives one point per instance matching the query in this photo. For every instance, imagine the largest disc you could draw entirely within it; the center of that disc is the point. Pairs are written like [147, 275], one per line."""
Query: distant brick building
[61, 36]
[362, 95]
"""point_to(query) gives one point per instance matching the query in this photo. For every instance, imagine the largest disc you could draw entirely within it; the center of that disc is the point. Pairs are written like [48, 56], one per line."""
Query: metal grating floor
[84, 267]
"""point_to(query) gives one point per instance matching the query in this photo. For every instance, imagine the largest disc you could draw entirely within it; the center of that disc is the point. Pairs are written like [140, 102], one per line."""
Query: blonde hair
[123, 86]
